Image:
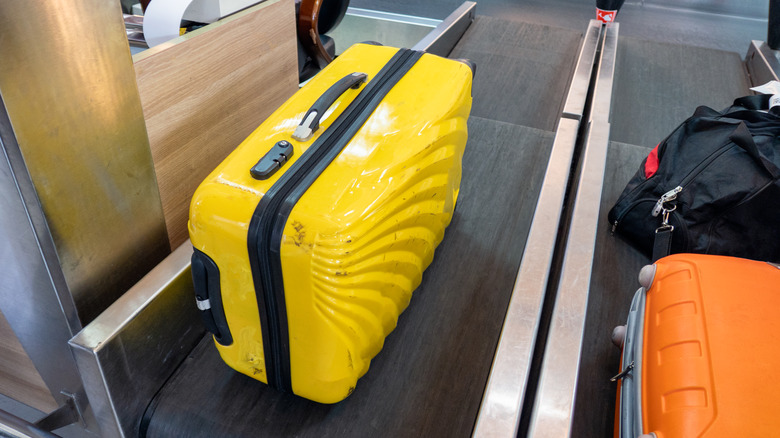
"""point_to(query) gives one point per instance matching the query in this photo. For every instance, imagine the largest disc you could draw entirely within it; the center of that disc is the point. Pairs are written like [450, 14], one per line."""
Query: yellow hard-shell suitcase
[311, 236]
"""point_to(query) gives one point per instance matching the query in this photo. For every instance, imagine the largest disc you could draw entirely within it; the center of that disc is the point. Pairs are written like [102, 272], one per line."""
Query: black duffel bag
[711, 187]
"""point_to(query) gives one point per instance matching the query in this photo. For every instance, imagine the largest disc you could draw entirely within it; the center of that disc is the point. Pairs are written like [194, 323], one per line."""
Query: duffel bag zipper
[672, 194]
[268, 221]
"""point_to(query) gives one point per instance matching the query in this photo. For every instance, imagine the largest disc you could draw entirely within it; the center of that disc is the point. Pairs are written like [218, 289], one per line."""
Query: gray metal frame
[554, 404]
[80, 214]
[762, 63]
[130, 350]
[33, 295]
[499, 413]
[389, 16]
[15, 427]
[630, 404]
[441, 40]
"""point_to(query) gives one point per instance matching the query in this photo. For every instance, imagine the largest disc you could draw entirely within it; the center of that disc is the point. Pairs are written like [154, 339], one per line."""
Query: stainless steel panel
[554, 405]
[33, 295]
[128, 352]
[762, 63]
[443, 38]
[15, 427]
[580, 80]
[502, 402]
[389, 16]
[67, 81]
[395, 30]
[499, 413]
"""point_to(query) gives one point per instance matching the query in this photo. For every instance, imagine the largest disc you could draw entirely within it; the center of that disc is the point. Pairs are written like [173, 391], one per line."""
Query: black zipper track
[693, 173]
[268, 221]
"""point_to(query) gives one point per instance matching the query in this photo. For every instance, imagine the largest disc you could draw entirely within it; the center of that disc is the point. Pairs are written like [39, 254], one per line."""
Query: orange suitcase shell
[703, 336]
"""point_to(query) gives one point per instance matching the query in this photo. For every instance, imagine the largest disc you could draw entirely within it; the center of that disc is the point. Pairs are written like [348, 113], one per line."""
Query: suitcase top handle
[311, 121]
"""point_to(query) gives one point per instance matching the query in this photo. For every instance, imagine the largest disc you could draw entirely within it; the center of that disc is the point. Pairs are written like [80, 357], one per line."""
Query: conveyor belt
[429, 378]
[657, 86]
[523, 70]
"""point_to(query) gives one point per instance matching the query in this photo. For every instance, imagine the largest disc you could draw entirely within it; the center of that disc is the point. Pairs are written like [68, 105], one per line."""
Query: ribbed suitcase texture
[705, 351]
[348, 238]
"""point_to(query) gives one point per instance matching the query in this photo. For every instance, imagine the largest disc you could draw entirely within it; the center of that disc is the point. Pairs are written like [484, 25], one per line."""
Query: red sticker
[651, 164]
[605, 16]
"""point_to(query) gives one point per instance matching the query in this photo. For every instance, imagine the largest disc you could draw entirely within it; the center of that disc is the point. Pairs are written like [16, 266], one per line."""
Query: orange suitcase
[701, 349]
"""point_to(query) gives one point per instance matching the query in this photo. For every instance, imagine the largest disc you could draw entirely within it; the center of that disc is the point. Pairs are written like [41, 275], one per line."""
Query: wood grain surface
[523, 70]
[429, 378]
[19, 379]
[203, 93]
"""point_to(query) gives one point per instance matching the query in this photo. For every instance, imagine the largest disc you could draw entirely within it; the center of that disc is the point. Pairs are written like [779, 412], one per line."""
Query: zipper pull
[614, 227]
[671, 195]
[623, 373]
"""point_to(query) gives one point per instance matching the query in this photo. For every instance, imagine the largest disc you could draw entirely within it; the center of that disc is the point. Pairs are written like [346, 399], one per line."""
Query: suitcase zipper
[270, 216]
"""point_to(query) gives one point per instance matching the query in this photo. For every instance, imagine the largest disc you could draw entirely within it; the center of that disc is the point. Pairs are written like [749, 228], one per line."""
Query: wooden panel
[203, 93]
[19, 379]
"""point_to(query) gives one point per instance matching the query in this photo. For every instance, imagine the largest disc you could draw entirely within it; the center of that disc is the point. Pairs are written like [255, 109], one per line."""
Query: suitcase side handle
[208, 296]
[311, 121]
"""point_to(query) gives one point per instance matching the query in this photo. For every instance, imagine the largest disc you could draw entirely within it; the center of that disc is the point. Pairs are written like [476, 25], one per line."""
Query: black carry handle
[311, 121]
[742, 138]
[208, 296]
[756, 102]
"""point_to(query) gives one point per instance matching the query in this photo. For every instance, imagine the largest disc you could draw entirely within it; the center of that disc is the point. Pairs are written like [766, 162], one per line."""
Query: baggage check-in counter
[510, 328]
[445, 341]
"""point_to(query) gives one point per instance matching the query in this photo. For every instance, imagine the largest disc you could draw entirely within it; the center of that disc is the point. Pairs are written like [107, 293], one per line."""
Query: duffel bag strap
[759, 102]
[756, 102]
[662, 243]
[744, 139]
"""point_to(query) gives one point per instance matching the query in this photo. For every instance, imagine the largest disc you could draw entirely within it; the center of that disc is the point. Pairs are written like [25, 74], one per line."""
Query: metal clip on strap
[662, 244]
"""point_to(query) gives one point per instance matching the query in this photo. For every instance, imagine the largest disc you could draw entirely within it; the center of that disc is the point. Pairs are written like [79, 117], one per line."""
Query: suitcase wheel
[646, 276]
[619, 336]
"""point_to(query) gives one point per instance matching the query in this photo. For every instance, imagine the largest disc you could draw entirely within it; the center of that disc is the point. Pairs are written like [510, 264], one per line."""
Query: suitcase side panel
[711, 333]
[629, 406]
[222, 206]
[368, 227]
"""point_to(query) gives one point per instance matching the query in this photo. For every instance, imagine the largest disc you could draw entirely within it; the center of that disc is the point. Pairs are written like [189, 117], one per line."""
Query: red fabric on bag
[651, 164]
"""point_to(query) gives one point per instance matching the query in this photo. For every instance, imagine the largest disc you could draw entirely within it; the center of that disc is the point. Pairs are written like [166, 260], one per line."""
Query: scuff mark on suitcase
[300, 235]
[238, 186]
